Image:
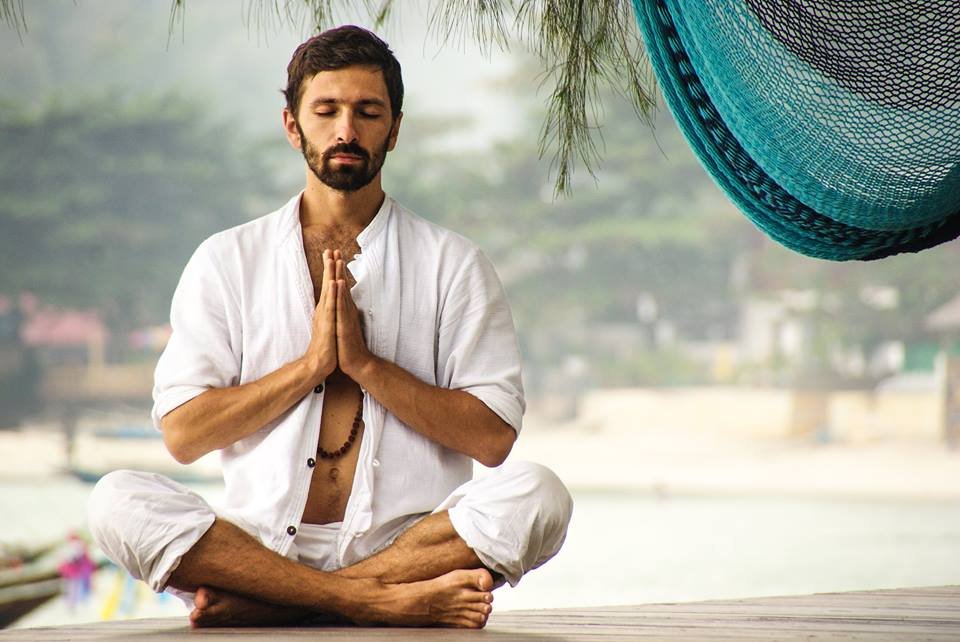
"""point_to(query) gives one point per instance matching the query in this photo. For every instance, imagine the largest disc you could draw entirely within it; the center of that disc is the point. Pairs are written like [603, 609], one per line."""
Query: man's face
[345, 126]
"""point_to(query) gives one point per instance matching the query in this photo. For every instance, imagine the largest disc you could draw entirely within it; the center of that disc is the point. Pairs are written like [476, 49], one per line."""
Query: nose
[346, 131]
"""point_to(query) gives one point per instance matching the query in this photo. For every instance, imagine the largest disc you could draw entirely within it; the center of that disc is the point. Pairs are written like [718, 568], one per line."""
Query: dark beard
[346, 178]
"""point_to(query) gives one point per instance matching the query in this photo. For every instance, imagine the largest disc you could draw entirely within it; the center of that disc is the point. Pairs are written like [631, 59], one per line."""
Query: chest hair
[315, 242]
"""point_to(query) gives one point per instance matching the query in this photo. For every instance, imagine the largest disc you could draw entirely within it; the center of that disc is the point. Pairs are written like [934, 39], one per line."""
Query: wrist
[309, 369]
[366, 371]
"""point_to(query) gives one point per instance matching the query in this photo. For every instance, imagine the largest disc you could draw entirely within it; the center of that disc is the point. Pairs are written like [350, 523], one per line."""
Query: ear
[290, 129]
[394, 133]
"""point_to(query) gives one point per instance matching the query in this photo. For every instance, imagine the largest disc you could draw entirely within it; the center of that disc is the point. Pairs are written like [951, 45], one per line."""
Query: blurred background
[733, 419]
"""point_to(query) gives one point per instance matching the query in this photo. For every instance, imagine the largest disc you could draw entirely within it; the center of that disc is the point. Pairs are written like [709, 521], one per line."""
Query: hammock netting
[834, 125]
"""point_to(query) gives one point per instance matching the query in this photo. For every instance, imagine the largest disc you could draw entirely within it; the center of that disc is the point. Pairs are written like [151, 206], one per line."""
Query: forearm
[452, 418]
[221, 416]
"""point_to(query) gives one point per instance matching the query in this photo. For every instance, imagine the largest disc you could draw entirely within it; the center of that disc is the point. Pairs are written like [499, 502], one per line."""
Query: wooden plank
[902, 614]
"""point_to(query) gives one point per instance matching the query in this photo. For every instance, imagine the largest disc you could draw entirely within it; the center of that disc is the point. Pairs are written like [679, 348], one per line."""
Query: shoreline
[660, 462]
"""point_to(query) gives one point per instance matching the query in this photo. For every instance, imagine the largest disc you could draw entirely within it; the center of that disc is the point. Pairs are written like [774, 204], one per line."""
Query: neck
[325, 207]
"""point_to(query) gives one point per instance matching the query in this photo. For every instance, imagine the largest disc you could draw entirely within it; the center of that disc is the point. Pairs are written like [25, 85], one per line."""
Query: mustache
[346, 148]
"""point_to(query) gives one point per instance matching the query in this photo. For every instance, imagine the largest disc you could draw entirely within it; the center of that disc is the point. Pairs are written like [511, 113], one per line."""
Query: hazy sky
[219, 53]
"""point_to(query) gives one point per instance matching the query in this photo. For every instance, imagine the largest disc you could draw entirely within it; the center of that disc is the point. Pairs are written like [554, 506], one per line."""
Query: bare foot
[216, 607]
[460, 599]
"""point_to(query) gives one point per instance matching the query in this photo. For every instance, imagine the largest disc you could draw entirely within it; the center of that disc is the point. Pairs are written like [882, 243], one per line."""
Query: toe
[484, 580]
[196, 618]
[469, 622]
[479, 619]
[473, 596]
[480, 607]
[204, 598]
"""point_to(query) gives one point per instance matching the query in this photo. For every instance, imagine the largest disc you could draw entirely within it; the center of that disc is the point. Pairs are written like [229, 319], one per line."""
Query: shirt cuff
[173, 398]
[505, 405]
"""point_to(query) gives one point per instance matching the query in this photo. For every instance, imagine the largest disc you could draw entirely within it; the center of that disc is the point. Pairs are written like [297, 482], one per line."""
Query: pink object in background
[77, 570]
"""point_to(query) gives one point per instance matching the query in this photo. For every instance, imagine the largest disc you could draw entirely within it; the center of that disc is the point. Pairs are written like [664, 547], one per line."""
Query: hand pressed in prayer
[322, 351]
[352, 353]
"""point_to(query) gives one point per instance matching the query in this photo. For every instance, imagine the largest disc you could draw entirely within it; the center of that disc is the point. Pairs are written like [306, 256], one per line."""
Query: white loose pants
[515, 519]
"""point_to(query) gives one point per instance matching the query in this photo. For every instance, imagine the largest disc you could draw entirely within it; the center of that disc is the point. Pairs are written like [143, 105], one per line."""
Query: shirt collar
[289, 221]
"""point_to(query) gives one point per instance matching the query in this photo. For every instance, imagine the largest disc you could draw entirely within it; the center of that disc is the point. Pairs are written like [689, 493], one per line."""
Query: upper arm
[203, 350]
[477, 349]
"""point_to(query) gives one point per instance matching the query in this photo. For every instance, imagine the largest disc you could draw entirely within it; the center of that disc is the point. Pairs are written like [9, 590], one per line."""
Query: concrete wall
[860, 416]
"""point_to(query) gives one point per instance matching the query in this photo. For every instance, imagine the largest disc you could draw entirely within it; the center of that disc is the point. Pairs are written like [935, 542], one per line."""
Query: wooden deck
[902, 615]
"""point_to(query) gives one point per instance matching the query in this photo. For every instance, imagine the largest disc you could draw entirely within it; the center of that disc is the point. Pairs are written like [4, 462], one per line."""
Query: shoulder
[431, 239]
[462, 271]
[248, 243]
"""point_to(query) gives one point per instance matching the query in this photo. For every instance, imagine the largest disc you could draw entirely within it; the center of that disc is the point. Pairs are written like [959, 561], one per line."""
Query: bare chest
[314, 244]
[335, 465]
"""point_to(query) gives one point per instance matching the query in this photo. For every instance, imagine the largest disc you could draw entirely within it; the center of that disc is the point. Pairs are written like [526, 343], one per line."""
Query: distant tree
[102, 201]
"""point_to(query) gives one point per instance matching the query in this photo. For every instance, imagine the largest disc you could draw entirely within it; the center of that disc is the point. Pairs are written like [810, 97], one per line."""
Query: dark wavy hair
[339, 48]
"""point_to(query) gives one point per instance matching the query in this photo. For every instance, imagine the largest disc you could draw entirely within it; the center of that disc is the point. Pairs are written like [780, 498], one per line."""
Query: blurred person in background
[350, 361]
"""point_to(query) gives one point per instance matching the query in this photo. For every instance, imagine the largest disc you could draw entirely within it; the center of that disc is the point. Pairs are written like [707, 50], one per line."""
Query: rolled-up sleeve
[477, 349]
[203, 351]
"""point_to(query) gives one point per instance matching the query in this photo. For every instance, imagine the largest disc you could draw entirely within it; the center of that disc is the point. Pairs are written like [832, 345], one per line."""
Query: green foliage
[103, 200]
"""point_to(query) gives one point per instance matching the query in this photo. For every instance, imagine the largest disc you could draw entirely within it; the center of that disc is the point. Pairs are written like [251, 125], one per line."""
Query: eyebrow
[376, 102]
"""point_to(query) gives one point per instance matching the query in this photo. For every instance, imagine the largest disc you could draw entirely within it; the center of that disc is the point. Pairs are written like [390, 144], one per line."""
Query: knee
[552, 499]
[106, 504]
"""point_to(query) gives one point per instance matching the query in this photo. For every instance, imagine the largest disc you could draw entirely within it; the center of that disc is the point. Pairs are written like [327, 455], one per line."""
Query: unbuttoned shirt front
[431, 303]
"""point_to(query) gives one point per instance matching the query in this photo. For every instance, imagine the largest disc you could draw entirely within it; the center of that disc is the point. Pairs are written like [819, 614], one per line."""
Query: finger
[341, 312]
[327, 275]
[340, 269]
[330, 303]
[348, 305]
[328, 263]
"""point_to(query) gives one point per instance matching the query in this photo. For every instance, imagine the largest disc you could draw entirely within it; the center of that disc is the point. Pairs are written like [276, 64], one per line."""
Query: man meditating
[349, 360]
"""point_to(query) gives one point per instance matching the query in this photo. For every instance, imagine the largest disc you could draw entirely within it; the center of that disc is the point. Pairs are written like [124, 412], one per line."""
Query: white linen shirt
[431, 303]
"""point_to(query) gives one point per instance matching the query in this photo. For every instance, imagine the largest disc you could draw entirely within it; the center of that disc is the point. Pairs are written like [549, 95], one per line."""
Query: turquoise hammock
[834, 125]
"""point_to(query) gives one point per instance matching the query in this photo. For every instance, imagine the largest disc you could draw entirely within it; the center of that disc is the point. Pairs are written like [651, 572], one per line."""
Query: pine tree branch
[11, 12]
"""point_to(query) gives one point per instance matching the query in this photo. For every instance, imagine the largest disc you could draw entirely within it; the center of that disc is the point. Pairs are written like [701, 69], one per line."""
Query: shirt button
[376, 462]
[311, 462]
[318, 389]
[291, 530]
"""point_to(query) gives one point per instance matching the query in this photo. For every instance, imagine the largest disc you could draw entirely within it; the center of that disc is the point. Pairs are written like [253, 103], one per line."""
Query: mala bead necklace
[342, 450]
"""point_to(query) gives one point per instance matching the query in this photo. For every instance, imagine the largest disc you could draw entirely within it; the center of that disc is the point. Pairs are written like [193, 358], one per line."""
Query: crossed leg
[428, 576]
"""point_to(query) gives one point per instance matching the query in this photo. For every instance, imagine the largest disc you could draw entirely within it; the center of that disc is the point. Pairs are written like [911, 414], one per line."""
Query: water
[622, 548]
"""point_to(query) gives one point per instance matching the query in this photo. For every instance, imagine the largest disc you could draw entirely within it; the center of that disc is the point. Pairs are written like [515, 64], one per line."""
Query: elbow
[177, 446]
[499, 449]
[493, 459]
